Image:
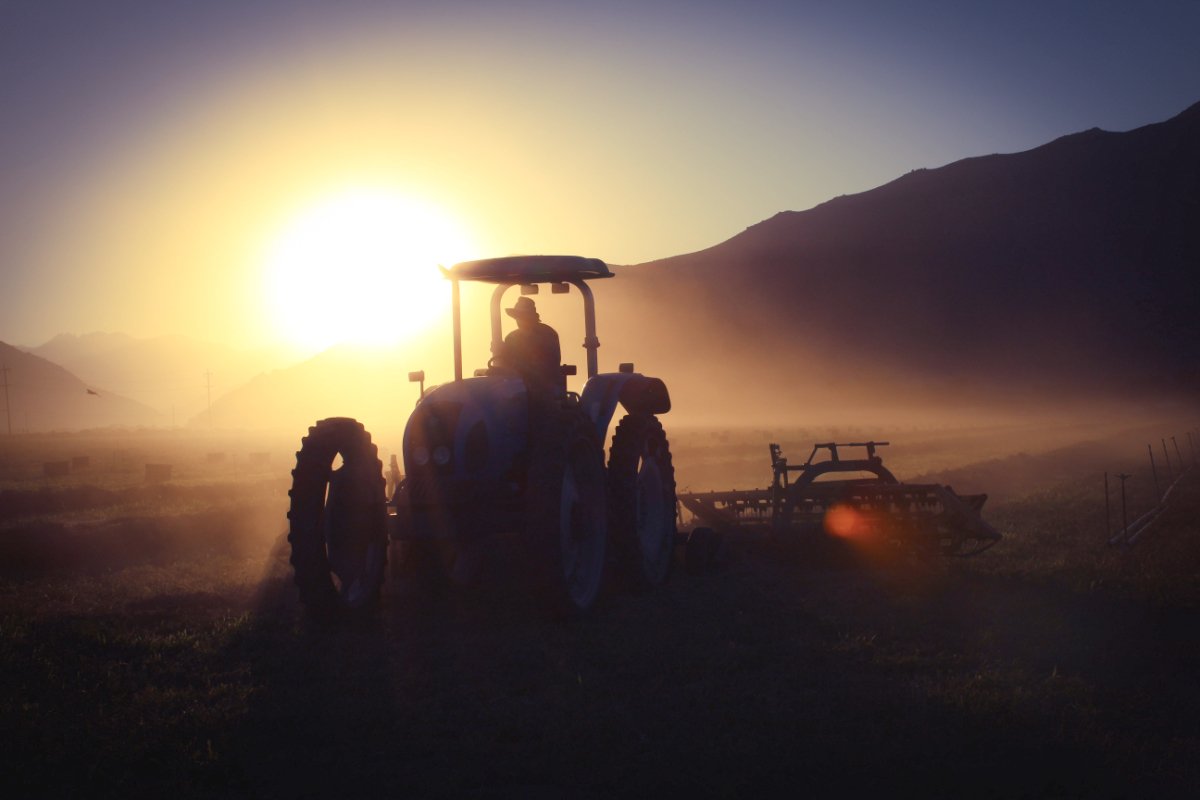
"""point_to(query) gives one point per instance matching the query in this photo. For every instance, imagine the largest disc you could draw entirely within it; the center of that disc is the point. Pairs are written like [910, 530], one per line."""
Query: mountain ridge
[45, 396]
[1065, 269]
[171, 373]
[1042, 264]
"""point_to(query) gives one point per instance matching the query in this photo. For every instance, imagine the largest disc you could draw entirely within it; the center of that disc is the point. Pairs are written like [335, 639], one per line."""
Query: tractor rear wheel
[566, 513]
[641, 500]
[338, 519]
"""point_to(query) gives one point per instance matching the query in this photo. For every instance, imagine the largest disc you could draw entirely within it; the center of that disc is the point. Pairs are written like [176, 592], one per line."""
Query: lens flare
[844, 521]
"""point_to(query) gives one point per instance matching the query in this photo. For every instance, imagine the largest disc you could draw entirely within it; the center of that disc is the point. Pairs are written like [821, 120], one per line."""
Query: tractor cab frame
[560, 272]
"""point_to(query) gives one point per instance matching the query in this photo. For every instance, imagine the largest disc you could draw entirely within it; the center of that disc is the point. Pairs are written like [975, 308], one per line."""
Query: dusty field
[152, 644]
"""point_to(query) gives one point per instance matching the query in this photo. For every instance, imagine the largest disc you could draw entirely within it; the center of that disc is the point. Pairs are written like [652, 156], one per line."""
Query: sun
[360, 266]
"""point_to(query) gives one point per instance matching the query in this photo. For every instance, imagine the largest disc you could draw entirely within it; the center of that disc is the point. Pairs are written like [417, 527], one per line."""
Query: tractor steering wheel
[496, 366]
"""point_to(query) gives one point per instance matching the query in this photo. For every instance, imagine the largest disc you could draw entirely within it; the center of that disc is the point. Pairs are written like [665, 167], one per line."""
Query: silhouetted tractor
[483, 456]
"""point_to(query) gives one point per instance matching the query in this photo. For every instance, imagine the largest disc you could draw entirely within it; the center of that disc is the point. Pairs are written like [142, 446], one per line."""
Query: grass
[119, 701]
[164, 653]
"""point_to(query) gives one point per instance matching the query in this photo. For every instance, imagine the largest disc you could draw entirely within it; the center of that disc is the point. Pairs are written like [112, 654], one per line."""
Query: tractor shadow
[321, 696]
[789, 667]
[392, 702]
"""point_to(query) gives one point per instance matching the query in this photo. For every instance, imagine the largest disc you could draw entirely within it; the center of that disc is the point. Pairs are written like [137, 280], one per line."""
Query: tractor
[486, 457]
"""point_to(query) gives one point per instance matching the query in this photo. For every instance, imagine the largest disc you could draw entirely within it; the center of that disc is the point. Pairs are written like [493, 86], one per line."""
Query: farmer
[533, 350]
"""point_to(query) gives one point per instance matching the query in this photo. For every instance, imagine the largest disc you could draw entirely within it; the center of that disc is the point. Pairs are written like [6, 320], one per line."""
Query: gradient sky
[151, 150]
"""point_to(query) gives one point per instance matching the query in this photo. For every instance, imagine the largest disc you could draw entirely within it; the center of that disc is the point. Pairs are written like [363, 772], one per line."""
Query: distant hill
[370, 385]
[169, 373]
[46, 397]
[1070, 267]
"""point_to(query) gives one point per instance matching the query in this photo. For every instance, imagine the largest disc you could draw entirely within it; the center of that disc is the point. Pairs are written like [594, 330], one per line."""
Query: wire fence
[1166, 471]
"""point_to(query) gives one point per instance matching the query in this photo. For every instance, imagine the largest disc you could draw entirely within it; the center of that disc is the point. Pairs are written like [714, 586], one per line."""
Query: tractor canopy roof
[530, 269]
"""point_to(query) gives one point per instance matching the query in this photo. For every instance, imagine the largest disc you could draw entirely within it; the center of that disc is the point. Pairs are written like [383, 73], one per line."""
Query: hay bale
[157, 473]
[56, 469]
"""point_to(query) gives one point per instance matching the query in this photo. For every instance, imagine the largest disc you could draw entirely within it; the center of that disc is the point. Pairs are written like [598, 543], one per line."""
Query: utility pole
[208, 388]
[7, 403]
[1107, 513]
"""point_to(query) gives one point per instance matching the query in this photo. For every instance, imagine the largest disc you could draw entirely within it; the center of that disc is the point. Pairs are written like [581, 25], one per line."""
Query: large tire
[565, 512]
[703, 552]
[338, 519]
[641, 501]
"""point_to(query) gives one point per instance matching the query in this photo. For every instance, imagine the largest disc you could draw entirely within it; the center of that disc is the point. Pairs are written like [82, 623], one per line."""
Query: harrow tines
[916, 515]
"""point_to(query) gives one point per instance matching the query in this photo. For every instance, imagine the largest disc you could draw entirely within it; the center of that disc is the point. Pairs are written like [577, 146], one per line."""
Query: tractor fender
[639, 394]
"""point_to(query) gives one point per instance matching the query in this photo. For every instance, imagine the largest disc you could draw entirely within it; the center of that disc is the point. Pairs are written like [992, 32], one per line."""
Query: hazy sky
[154, 152]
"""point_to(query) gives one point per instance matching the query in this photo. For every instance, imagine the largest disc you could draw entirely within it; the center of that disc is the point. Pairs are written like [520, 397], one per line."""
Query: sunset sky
[190, 168]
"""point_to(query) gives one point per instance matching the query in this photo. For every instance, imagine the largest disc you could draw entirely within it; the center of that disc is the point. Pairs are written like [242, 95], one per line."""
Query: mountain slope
[1073, 264]
[368, 384]
[169, 373]
[46, 397]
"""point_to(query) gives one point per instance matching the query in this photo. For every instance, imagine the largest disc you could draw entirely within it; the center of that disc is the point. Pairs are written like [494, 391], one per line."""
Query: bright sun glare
[361, 267]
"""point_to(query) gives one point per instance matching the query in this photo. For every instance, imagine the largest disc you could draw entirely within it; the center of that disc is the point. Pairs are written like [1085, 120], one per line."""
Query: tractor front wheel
[641, 500]
[566, 512]
[338, 518]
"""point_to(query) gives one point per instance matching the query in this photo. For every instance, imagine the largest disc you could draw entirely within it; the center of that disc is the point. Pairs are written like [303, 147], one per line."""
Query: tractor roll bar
[509, 271]
[591, 342]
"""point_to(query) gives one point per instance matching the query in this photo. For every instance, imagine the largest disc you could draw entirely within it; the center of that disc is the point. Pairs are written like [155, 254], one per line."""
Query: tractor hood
[468, 430]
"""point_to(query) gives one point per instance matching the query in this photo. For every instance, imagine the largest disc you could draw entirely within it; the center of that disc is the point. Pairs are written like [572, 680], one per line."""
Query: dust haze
[729, 361]
[151, 615]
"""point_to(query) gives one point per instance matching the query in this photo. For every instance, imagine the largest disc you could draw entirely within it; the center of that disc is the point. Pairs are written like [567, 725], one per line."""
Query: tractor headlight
[441, 455]
[420, 456]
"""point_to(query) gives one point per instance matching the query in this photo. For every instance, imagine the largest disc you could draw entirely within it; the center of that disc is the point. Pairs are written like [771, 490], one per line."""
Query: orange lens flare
[844, 521]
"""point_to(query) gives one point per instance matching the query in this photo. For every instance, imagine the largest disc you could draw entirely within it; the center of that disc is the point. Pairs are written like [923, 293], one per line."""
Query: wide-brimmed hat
[523, 308]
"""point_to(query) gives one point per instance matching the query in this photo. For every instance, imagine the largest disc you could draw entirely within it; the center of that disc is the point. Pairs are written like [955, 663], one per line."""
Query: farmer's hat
[523, 308]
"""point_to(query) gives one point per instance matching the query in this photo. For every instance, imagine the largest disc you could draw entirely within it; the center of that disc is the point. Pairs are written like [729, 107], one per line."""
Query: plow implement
[852, 498]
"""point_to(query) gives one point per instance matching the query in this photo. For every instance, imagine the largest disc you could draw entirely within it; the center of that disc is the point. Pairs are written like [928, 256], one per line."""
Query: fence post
[1124, 514]
[1154, 472]
[1167, 459]
[1178, 455]
[1107, 512]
